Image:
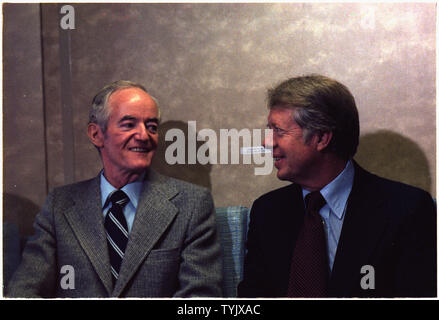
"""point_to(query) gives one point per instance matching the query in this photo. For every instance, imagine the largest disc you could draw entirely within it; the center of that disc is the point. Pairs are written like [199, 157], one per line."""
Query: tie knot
[314, 201]
[119, 197]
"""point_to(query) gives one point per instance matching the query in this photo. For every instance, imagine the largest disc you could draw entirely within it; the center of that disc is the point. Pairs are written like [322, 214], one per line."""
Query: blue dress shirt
[132, 190]
[336, 194]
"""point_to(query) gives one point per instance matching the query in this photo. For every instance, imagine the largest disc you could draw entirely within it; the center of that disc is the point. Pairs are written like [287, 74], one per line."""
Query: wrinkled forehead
[132, 98]
[131, 94]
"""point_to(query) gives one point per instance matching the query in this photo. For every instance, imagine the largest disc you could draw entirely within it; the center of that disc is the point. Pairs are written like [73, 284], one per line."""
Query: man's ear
[323, 140]
[95, 135]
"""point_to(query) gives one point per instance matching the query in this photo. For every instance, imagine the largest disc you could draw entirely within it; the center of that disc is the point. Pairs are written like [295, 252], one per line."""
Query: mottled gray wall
[24, 165]
[213, 63]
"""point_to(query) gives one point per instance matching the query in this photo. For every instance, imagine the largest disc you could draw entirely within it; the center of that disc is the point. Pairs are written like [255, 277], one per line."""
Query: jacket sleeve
[200, 271]
[252, 284]
[416, 274]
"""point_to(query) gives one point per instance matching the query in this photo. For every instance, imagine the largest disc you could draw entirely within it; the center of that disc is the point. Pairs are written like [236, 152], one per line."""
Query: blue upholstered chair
[232, 225]
[11, 250]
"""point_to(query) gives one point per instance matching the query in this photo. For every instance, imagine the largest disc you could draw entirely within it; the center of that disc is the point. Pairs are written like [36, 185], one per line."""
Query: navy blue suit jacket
[388, 225]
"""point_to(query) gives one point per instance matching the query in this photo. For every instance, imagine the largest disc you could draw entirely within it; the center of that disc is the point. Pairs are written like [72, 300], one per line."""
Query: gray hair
[100, 112]
[321, 105]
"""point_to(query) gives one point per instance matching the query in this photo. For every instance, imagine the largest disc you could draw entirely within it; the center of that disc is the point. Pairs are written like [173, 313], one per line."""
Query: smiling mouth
[138, 149]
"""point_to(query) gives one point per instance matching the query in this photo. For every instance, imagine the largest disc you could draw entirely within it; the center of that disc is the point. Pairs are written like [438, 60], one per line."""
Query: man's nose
[268, 142]
[142, 132]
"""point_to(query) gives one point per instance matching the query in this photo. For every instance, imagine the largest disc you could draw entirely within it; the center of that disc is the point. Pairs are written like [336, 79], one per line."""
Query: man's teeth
[138, 149]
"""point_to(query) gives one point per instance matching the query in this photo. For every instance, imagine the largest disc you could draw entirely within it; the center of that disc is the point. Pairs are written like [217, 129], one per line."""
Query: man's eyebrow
[129, 118]
[156, 120]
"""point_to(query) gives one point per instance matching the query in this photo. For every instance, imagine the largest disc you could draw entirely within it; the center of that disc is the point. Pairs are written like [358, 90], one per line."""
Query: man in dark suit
[129, 232]
[338, 230]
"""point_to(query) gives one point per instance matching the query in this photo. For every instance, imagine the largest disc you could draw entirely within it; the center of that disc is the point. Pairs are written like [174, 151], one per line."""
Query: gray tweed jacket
[173, 247]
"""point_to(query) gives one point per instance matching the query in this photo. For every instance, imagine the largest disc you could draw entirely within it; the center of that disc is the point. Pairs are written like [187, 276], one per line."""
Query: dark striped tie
[117, 231]
[309, 267]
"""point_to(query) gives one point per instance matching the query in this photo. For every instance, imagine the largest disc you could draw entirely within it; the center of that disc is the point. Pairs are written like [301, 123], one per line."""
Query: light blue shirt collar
[336, 193]
[132, 190]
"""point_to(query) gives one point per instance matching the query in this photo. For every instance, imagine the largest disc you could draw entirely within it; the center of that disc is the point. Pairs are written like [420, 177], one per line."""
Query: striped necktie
[117, 231]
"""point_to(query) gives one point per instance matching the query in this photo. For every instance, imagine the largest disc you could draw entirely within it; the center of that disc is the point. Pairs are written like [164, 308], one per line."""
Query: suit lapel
[363, 226]
[85, 218]
[153, 216]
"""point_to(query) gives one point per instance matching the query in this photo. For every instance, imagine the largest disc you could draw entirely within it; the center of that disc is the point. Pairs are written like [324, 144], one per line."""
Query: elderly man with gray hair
[129, 232]
[337, 230]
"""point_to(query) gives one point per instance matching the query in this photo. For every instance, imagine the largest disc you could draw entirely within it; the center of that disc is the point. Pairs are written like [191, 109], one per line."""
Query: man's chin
[141, 168]
[280, 175]
[283, 176]
[142, 165]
